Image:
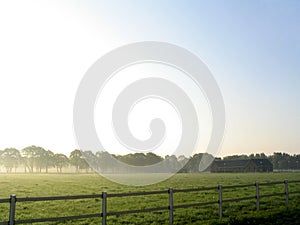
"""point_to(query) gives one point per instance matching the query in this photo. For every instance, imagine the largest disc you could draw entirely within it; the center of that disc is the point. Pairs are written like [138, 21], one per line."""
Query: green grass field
[36, 185]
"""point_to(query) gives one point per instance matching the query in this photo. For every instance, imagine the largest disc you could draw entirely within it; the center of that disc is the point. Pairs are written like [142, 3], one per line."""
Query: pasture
[40, 185]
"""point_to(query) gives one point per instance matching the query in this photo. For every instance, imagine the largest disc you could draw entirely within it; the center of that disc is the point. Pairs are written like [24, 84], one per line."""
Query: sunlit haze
[251, 47]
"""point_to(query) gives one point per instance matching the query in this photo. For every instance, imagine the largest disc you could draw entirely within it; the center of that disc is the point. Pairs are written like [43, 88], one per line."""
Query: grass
[36, 185]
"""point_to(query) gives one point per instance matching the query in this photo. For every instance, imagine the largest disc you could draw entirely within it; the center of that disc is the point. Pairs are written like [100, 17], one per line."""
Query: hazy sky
[251, 47]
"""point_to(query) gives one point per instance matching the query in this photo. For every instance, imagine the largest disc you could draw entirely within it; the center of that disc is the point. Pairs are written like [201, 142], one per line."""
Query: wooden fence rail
[12, 201]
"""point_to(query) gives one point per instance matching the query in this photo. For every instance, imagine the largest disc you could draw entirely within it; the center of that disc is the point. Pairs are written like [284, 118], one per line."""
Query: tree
[84, 164]
[105, 162]
[38, 157]
[280, 160]
[11, 158]
[29, 155]
[182, 160]
[41, 159]
[171, 164]
[199, 162]
[78, 161]
[48, 160]
[152, 158]
[60, 161]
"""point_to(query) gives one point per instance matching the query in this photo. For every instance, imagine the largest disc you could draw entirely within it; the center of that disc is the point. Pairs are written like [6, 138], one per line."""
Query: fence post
[220, 200]
[12, 210]
[286, 187]
[257, 195]
[104, 206]
[171, 212]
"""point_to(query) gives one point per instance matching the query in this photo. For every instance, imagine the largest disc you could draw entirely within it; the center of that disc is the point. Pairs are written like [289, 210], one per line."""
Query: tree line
[280, 161]
[35, 159]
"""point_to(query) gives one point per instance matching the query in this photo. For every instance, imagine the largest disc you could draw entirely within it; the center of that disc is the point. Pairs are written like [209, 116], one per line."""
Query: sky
[251, 47]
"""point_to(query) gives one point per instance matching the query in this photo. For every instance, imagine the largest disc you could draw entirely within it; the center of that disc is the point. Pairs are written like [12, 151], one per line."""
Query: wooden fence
[170, 207]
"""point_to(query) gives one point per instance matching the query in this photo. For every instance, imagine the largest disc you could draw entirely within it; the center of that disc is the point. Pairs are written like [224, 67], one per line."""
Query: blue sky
[251, 47]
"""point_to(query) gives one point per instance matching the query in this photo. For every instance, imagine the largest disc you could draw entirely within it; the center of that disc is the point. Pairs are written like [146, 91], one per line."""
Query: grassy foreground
[35, 185]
